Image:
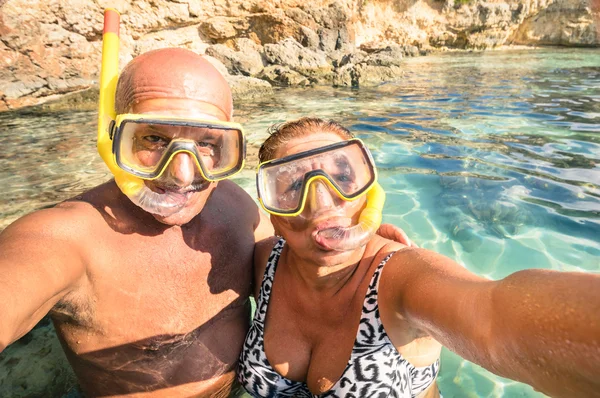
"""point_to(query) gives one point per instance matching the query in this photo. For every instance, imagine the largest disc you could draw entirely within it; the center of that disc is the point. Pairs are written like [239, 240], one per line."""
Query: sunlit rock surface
[49, 49]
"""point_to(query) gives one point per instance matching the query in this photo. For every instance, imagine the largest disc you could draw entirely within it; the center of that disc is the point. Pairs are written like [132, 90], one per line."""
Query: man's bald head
[172, 73]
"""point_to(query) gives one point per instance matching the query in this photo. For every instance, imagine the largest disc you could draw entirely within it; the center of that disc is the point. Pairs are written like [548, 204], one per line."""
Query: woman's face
[323, 209]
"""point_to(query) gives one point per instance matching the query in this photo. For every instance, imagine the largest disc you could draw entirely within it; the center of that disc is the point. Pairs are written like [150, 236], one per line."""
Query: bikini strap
[371, 330]
[266, 285]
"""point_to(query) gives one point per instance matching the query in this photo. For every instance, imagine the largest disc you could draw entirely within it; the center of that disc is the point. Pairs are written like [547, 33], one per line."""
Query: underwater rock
[370, 75]
[51, 376]
[466, 235]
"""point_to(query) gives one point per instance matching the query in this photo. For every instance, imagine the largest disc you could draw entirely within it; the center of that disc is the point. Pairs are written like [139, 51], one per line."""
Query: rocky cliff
[52, 48]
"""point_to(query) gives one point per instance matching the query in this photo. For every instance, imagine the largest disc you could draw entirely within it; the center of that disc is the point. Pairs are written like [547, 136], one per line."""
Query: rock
[283, 76]
[353, 58]
[80, 17]
[217, 64]
[372, 75]
[334, 16]
[403, 50]
[247, 63]
[272, 28]
[61, 39]
[82, 100]
[345, 76]
[383, 59]
[244, 88]
[218, 28]
[302, 17]
[410, 50]
[67, 85]
[25, 85]
[562, 23]
[246, 45]
[303, 60]
[185, 37]
[309, 38]
[328, 39]
[492, 38]
[390, 56]
[372, 46]
[367, 72]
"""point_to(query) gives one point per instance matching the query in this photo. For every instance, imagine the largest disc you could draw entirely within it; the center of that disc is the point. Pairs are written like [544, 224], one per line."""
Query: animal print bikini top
[375, 367]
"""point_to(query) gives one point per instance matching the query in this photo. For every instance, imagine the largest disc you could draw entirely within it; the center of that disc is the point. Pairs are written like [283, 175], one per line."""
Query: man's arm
[40, 263]
[397, 234]
[537, 326]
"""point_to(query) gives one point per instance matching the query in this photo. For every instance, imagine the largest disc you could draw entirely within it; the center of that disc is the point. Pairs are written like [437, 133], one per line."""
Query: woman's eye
[295, 186]
[206, 145]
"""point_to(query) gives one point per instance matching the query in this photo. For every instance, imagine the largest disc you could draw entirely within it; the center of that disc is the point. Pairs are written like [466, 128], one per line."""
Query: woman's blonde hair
[283, 132]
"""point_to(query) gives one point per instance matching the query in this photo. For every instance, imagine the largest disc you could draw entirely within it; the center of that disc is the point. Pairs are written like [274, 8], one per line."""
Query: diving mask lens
[347, 167]
[145, 146]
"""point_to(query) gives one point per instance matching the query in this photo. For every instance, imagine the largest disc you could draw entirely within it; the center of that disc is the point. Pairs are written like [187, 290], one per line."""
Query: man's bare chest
[144, 286]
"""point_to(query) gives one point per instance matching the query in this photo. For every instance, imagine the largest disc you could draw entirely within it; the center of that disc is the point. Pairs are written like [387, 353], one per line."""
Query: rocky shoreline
[261, 44]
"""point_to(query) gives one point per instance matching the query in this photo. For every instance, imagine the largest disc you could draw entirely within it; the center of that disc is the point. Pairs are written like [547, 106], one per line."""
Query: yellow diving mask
[144, 144]
[346, 167]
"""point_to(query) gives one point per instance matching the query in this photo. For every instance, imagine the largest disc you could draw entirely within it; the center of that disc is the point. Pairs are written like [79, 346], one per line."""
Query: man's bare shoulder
[62, 221]
[67, 221]
[234, 191]
[238, 201]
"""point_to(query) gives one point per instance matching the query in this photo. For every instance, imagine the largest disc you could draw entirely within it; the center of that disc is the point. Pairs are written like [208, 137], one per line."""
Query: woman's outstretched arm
[540, 327]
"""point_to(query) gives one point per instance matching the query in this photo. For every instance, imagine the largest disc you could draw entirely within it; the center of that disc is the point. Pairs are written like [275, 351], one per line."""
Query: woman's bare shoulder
[381, 248]
[262, 251]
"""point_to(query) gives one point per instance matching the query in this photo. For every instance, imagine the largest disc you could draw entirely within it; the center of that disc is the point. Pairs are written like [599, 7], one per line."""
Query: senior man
[148, 290]
[147, 280]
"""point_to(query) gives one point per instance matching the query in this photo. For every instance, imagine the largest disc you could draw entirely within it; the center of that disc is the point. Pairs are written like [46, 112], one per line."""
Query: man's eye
[155, 139]
[206, 145]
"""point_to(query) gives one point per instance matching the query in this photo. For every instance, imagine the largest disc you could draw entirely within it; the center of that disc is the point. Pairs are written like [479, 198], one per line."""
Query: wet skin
[528, 326]
[143, 305]
[161, 309]
[318, 294]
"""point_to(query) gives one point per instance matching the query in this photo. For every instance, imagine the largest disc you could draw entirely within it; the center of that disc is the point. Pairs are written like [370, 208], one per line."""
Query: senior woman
[342, 312]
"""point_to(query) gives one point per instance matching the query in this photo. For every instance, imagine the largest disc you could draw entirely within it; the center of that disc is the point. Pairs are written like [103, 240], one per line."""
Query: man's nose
[321, 196]
[182, 169]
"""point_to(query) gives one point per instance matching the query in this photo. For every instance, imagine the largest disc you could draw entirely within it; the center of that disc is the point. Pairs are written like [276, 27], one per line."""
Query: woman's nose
[182, 169]
[321, 197]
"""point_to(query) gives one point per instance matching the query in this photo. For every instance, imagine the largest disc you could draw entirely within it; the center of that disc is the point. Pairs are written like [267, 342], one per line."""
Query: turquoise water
[492, 159]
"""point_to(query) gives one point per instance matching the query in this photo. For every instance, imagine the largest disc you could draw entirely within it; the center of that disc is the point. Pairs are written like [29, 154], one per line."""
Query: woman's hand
[392, 232]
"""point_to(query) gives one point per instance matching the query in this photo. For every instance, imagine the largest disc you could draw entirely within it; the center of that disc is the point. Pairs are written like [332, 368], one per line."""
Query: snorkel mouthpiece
[342, 239]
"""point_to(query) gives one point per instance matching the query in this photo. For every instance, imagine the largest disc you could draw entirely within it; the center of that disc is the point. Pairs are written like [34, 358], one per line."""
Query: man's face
[181, 178]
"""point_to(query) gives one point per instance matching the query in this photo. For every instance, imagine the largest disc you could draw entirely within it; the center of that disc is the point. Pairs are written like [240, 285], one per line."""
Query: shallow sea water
[492, 159]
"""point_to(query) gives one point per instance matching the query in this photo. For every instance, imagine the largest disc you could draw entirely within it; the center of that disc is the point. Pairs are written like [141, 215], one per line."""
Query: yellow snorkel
[342, 239]
[371, 216]
[109, 75]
